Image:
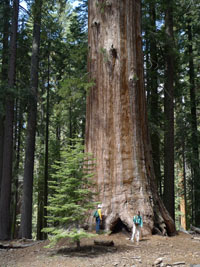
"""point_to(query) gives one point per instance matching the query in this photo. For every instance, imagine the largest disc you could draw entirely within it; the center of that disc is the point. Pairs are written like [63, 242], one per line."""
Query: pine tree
[72, 197]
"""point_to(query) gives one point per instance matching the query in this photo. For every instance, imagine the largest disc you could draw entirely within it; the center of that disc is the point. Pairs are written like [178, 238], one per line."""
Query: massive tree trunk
[116, 119]
[5, 199]
[26, 218]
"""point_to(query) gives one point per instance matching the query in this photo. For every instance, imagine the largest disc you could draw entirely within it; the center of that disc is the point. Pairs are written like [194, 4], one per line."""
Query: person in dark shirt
[98, 216]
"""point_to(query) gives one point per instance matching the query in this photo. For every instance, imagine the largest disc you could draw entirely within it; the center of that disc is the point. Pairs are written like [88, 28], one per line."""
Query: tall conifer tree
[116, 119]
[26, 217]
[5, 198]
[169, 111]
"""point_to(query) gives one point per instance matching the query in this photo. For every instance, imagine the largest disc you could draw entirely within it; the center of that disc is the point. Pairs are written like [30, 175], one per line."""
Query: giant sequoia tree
[116, 120]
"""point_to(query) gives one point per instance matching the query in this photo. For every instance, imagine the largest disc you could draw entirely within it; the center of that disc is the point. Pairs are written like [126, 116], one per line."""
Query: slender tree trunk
[116, 118]
[70, 124]
[185, 188]
[182, 210]
[40, 180]
[43, 183]
[1, 146]
[4, 77]
[46, 174]
[26, 217]
[40, 207]
[5, 199]
[58, 139]
[194, 138]
[169, 114]
[154, 107]
[16, 167]
[192, 205]
[5, 50]
[183, 201]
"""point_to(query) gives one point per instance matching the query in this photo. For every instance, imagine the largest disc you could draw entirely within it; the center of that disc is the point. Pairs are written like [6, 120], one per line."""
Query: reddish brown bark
[116, 120]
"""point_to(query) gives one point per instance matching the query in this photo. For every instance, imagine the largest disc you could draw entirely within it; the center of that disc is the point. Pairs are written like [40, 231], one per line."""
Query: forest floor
[180, 250]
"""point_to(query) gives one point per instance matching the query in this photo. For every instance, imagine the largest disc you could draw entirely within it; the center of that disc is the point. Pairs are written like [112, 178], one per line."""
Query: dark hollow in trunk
[118, 226]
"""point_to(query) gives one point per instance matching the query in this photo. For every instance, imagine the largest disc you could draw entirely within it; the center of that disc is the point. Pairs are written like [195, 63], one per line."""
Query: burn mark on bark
[96, 27]
[96, 24]
[113, 52]
[112, 59]
[109, 58]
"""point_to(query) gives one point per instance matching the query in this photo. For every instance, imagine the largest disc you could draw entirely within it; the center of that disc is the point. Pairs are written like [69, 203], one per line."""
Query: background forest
[43, 88]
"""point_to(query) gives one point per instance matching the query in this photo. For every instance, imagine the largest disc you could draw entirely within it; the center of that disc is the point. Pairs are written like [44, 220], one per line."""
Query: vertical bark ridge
[116, 122]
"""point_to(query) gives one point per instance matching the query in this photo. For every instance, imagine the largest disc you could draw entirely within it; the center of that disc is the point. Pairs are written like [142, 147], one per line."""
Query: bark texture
[154, 96]
[4, 75]
[116, 120]
[5, 199]
[194, 137]
[168, 196]
[26, 217]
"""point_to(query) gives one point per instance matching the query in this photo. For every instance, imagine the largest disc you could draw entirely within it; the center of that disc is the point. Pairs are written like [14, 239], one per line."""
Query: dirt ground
[180, 250]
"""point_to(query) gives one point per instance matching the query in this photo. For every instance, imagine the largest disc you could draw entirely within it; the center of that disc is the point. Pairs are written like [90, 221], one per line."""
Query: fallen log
[179, 263]
[196, 238]
[16, 245]
[104, 243]
[195, 229]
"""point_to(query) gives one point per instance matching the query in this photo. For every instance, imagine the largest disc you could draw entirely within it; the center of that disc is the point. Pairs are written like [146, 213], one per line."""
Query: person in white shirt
[137, 225]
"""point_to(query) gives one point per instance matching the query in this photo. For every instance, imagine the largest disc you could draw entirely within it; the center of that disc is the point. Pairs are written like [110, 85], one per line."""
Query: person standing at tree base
[98, 216]
[137, 225]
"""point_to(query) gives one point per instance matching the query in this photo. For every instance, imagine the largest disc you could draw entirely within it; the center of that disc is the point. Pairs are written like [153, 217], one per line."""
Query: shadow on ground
[86, 251]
